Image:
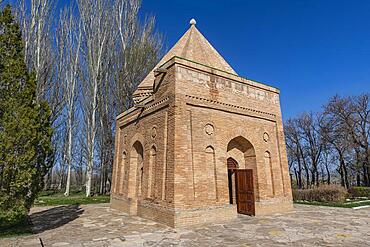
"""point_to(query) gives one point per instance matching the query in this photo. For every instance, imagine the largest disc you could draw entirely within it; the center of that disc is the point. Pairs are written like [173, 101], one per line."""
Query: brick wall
[194, 121]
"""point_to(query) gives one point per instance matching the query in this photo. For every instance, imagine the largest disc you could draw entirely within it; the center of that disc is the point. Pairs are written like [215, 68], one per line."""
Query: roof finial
[193, 22]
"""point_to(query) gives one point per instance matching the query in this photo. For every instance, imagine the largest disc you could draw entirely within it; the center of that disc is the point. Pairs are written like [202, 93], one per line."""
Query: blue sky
[309, 49]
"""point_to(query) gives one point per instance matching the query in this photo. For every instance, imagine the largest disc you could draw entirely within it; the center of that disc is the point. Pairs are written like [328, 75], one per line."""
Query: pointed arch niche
[269, 176]
[121, 173]
[136, 171]
[211, 172]
[151, 170]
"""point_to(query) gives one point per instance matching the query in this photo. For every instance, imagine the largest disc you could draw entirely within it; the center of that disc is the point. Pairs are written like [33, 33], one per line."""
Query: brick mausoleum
[201, 144]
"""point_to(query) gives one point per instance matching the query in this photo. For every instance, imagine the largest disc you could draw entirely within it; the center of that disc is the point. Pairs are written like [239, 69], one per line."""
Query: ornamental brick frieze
[216, 83]
[230, 107]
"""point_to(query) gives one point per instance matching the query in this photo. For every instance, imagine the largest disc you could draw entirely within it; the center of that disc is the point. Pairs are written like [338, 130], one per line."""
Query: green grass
[60, 199]
[332, 204]
[21, 229]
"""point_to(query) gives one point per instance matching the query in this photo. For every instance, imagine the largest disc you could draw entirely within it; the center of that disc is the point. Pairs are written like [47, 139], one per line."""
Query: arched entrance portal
[241, 164]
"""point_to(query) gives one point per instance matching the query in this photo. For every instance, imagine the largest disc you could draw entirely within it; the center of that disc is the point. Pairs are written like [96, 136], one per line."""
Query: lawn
[60, 199]
[340, 205]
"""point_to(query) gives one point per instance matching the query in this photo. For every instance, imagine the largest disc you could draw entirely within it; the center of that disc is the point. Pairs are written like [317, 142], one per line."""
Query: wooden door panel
[244, 191]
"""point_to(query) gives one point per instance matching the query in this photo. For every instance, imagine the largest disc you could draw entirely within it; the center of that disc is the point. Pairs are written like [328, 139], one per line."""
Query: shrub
[359, 192]
[12, 212]
[323, 193]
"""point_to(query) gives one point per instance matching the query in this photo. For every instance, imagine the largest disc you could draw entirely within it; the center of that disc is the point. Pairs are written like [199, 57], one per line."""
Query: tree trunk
[69, 152]
[89, 171]
[307, 177]
[48, 180]
[366, 171]
[299, 180]
[91, 142]
[90, 160]
[328, 172]
[61, 177]
[296, 177]
[79, 172]
[317, 178]
[313, 177]
[340, 171]
[68, 183]
[101, 189]
[345, 183]
[358, 179]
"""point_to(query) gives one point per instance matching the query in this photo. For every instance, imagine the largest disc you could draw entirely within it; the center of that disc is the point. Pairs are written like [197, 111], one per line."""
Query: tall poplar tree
[26, 151]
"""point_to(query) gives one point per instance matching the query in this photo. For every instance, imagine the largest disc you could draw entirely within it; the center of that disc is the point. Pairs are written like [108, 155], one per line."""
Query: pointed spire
[192, 46]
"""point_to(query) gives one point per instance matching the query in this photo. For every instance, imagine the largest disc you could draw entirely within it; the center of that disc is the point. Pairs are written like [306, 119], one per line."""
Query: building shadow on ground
[54, 217]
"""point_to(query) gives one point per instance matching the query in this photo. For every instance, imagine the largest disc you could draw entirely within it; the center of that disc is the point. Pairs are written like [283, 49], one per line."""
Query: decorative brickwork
[219, 83]
[178, 150]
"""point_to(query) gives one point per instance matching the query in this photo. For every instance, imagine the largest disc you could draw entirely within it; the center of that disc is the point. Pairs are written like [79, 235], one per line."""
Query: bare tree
[327, 160]
[36, 21]
[294, 148]
[352, 113]
[106, 119]
[69, 39]
[96, 25]
[313, 144]
[35, 17]
[339, 136]
[304, 146]
[139, 48]
[136, 48]
[335, 135]
[87, 64]
[361, 107]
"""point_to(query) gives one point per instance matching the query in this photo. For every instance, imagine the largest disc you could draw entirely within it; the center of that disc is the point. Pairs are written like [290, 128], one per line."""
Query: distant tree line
[331, 145]
[87, 60]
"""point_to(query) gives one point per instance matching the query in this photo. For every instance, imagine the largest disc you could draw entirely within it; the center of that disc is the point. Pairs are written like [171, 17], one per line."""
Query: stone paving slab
[98, 225]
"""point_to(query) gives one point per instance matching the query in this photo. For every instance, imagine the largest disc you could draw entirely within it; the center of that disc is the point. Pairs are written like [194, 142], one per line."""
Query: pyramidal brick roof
[192, 46]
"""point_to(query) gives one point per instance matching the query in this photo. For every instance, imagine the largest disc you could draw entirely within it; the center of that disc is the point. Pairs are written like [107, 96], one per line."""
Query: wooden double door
[244, 191]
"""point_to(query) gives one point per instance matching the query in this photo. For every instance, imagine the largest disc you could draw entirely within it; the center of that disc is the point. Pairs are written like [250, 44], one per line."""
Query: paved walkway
[98, 225]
